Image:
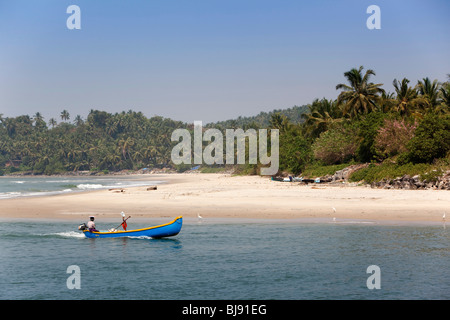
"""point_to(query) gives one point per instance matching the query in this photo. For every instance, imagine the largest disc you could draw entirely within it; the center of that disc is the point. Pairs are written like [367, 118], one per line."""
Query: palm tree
[430, 92]
[137, 156]
[125, 145]
[65, 115]
[52, 122]
[445, 93]
[80, 165]
[386, 102]
[38, 117]
[322, 113]
[407, 99]
[39, 121]
[78, 120]
[73, 154]
[150, 153]
[360, 96]
[279, 121]
[110, 161]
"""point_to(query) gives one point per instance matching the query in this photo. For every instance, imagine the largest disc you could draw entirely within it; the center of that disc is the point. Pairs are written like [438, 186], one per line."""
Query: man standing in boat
[124, 221]
[91, 224]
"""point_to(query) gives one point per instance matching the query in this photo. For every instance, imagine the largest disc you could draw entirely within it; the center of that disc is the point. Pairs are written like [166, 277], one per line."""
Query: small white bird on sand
[443, 217]
[199, 216]
[334, 209]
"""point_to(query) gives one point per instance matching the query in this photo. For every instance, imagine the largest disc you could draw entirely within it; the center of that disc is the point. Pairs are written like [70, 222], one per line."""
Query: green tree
[368, 127]
[387, 102]
[279, 121]
[431, 139]
[337, 145]
[295, 150]
[125, 147]
[407, 100]
[360, 96]
[322, 114]
[65, 115]
[52, 122]
[445, 95]
[78, 121]
[429, 91]
[38, 117]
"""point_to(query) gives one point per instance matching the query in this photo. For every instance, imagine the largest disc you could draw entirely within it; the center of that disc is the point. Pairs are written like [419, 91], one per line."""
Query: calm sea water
[225, 259]
[13, 187]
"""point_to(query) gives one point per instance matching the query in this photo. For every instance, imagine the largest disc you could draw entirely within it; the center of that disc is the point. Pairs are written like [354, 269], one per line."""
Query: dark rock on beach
[412, 183]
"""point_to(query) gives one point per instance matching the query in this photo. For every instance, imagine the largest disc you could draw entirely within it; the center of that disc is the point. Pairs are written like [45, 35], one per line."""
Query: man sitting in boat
[91, 224]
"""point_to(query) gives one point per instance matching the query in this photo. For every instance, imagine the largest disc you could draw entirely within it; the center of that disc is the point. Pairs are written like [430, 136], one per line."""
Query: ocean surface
[13, 187]
[225, 259]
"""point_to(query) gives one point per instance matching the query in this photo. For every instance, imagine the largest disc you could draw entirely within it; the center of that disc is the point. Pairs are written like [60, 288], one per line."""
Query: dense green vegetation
[377, 172]
[103, 142]
[404, 132]
[262, 120]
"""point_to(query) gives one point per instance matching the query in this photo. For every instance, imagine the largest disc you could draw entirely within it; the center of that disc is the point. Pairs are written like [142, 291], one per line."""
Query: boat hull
[165, 230]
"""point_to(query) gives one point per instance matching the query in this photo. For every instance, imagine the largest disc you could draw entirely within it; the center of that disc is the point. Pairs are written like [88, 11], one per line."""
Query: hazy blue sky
[208, 60]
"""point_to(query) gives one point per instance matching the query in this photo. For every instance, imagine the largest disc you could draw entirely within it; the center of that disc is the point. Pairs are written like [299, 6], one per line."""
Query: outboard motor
[82, 227]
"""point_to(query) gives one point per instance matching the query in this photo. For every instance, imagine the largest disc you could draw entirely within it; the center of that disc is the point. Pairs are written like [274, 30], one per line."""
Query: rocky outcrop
[344, 174]
[406, 182]
[339, 176]
[412, 183]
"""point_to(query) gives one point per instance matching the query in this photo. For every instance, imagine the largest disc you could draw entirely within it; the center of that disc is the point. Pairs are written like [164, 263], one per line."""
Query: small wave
[140, 237]
[9, 195]
[89, 186]
[65, 234]
[19, 182]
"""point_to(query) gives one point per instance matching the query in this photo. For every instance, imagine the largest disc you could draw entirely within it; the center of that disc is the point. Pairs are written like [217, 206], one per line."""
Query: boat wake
[79, 235]
[64, 234]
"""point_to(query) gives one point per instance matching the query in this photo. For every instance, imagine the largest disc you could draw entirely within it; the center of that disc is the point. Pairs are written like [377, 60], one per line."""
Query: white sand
[224, 196]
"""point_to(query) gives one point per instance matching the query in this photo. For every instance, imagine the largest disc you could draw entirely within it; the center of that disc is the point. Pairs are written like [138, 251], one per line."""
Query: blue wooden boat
[165, 230]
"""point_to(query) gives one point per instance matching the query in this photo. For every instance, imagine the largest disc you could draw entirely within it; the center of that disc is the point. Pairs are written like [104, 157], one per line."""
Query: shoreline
[216, 195]
[232, 221]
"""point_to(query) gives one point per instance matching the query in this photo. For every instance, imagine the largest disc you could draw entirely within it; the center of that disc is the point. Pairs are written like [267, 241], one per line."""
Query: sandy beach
[226, 196]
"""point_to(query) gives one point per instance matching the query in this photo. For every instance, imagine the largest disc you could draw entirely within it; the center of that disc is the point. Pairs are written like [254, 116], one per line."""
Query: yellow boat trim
[135, 230]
